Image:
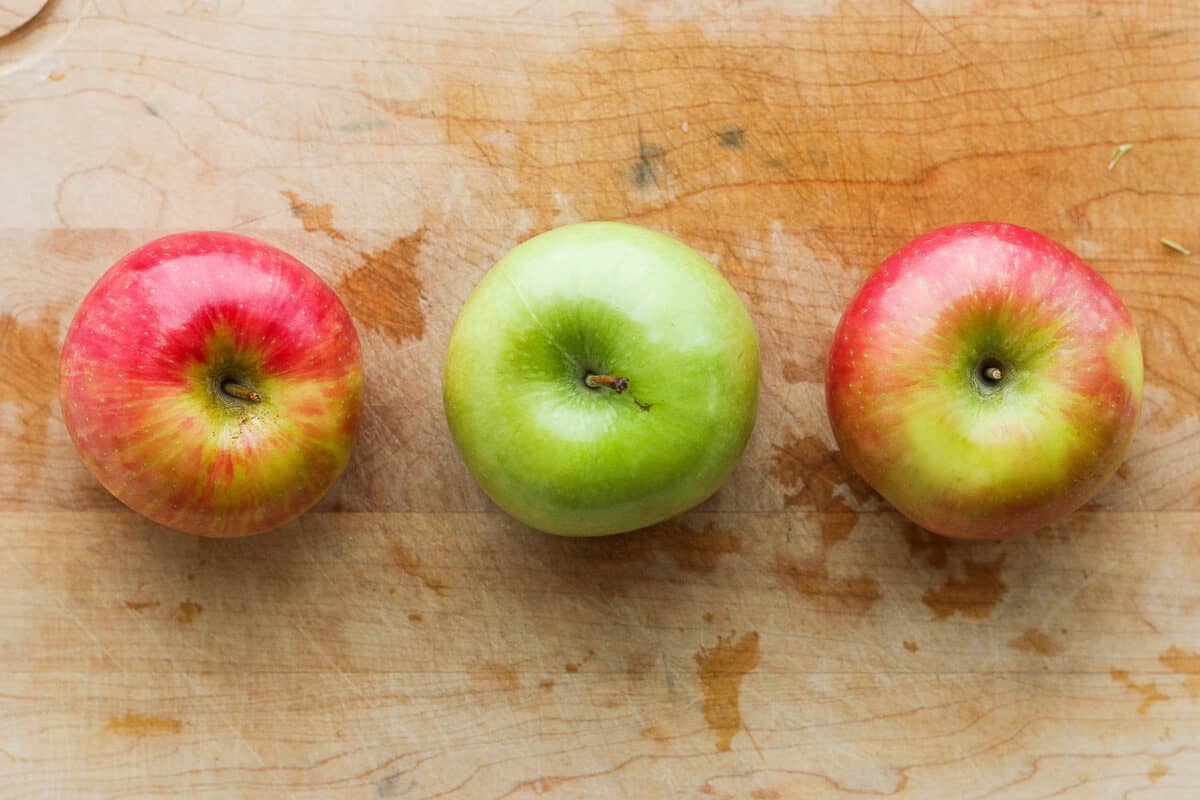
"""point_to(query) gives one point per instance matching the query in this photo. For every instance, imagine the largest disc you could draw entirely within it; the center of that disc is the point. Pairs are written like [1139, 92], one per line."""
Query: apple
[212, 383]
[600, 378]
[985, 381]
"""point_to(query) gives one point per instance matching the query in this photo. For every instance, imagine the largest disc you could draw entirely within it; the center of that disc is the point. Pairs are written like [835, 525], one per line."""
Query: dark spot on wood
[312, 217]
[1180, 661]
[384, 294]
[795, 372]
[697, 551]
[546, 684]
[732, 137]
[644, 170]
[411, 566]
[721, 670]
[821, 482]
[708, 616]
[141, 605]
[910, 646]
[1034, 641]
[811, 578]
[188, 610]
[415, 617]
[818, 157]
[28, 384]
[571, 667]
[638, 665]
[395, 785]
[151, 109]
[501, 676]
[1148, 691]
[142, 725]
[974, 596]
[923, 544]
[642, 174]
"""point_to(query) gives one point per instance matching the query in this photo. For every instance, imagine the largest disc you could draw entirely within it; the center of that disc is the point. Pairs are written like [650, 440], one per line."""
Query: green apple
[601, 377]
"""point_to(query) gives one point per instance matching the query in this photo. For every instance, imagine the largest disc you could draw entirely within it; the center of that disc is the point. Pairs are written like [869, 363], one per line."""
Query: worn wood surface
[791, 638]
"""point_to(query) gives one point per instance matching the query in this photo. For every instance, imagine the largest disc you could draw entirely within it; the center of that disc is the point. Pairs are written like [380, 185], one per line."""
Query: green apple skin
[601, 298]
[960, 453]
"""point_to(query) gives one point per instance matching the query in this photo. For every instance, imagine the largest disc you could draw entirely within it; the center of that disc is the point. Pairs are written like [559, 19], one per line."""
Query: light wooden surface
[790, 639]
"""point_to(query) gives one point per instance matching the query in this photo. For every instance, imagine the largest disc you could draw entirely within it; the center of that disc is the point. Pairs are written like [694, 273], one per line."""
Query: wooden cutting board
[792, 638]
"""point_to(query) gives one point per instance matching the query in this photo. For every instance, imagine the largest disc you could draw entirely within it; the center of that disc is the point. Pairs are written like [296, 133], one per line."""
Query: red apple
[212, 383]
[985, 381]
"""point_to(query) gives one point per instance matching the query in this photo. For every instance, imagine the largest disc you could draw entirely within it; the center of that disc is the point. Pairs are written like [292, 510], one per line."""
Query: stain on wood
[410, 565]
[1034, 641]
[820, 481]
[384, 293]
[314, 218]
[974, 596]
[1149, 691]
[866, 123]
[1178, 660]
[397, 784]
[810, 577]
[495, 675]
[141, 605]
[28, 384]
[133, 724]
[922, 544]
[795, 372]
[721, 670]
[693, 550]
[188, 611]
[573, 667]
[732, 137]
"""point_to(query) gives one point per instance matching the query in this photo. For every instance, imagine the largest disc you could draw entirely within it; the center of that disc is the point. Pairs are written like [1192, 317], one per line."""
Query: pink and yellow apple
[985, 381]
[212, 383]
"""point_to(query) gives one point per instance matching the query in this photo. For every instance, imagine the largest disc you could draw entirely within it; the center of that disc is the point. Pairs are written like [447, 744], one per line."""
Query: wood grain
[791, 638]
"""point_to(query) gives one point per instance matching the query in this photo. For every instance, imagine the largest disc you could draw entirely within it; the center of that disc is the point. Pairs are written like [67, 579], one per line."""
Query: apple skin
[916, 415]
[612, 299]
[145, 360]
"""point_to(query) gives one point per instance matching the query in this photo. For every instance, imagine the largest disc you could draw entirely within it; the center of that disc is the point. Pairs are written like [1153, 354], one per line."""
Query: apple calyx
[618, 385]
[240, 392]
[989, 374]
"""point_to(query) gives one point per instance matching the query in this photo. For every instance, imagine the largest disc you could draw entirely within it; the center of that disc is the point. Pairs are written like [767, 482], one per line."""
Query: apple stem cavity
[989, 375]
[240, 392]
[618, 385]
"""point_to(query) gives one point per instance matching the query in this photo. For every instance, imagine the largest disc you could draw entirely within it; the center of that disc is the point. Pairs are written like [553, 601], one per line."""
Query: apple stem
[994, 374]
[241, 392]
[618, 385]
